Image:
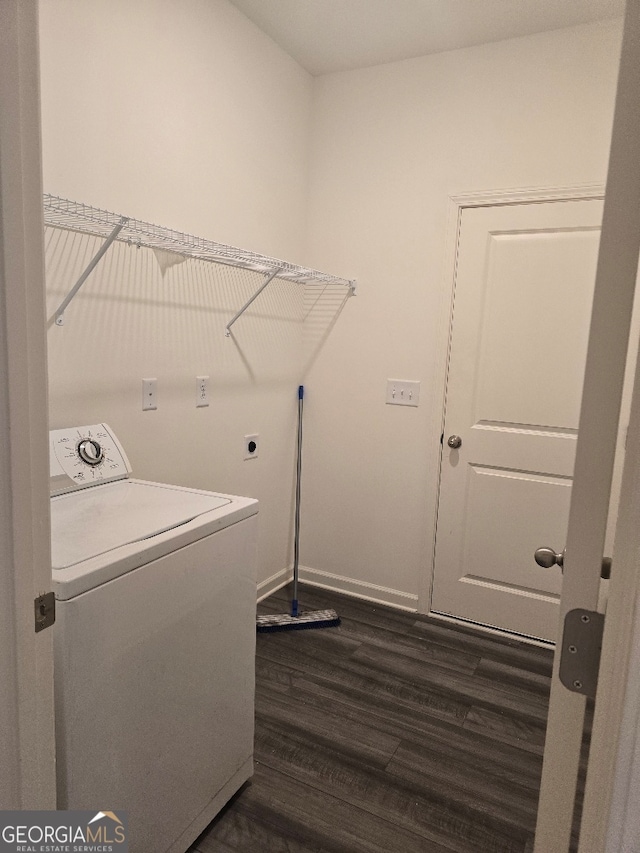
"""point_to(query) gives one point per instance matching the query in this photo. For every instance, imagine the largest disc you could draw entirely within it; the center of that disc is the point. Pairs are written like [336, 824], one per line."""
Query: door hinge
[44, 610]
[581, 647]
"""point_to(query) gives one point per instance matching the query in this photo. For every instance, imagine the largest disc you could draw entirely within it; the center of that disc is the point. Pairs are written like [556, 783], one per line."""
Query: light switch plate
[403, 392]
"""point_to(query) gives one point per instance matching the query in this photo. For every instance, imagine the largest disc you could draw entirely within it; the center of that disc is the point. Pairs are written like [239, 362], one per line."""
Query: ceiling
[336, 35]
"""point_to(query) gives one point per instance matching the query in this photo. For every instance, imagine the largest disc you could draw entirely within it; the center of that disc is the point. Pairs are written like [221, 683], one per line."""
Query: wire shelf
[76, 216]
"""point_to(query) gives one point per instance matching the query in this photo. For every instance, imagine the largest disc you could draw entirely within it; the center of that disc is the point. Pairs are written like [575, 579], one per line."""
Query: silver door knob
[547, 557]
[454, 441]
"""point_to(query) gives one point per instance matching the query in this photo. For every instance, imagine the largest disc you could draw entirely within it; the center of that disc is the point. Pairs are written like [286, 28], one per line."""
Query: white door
[523, 294]
[604, 816]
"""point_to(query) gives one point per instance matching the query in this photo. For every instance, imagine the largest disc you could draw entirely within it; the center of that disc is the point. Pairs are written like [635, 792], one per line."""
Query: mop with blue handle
[296, 621]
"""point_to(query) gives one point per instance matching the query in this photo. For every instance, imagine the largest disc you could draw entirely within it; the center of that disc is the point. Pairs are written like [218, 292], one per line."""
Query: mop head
[307, 619]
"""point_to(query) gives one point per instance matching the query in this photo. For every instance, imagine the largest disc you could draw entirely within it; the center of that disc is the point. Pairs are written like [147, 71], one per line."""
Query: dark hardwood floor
[393, 733]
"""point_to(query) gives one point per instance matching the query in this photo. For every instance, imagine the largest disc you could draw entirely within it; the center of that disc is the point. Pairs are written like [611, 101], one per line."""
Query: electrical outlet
[251, 446]
[403, 392]
[202, 391]
[149, 395]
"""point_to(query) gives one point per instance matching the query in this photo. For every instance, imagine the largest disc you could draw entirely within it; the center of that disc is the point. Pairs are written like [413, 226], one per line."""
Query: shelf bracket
[90, 268]
[264, 284]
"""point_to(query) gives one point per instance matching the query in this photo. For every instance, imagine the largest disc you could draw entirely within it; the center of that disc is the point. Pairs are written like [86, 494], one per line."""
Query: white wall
[390, 145]
[186, 115]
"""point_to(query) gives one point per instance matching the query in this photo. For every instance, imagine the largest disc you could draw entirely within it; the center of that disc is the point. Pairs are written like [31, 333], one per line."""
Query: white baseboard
[378, 595]
[359, 589]
[274, 583]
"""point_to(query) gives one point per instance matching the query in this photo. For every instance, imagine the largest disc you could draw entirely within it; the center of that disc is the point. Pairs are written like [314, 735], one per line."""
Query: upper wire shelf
[75, 216]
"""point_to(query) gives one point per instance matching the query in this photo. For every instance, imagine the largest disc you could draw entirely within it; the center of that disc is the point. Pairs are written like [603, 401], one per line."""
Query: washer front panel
[85, 456]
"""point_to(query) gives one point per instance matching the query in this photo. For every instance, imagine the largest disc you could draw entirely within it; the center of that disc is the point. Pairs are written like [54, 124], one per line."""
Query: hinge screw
[577, 684]
[573, 649]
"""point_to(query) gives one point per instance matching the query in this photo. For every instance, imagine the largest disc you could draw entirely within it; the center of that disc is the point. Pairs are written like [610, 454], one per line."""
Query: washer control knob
[90, 451]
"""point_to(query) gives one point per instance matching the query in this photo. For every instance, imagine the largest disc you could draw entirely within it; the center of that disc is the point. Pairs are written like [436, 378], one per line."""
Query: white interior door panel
[524, 288]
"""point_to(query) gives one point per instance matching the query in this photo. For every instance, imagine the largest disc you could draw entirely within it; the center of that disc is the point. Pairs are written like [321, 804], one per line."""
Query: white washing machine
[154, 642]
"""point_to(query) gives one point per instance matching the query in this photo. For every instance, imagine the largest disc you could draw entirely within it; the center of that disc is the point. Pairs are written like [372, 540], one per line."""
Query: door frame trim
[610, 817]
[456, 203]
[28, 775]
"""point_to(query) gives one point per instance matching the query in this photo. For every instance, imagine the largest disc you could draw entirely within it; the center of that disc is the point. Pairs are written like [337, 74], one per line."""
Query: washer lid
[95, 521]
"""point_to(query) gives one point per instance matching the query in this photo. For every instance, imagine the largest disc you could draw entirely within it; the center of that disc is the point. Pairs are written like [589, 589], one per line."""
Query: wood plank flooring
[393, 733]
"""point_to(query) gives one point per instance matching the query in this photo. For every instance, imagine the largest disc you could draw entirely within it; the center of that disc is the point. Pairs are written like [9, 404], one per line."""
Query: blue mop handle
[296, 536]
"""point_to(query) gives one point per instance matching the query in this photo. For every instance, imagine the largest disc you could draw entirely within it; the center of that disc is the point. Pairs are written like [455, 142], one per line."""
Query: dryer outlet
[251, 443]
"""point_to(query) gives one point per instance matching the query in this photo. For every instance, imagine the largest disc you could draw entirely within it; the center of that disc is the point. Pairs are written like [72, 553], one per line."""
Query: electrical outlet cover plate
[251, 443]
[202, 391]
[149, 395]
